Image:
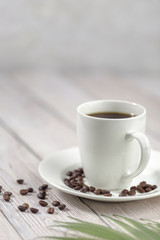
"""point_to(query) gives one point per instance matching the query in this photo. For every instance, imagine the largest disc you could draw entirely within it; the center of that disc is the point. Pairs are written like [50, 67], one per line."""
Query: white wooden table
[37, 118]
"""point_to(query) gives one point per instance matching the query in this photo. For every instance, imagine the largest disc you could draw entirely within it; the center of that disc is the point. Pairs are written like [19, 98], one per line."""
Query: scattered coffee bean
[22, 208]
[62, 206]
[26, 205]
[43, 203]
[43, 187]
[30, 189]
[0, 187]
[6, 197]
[50, 210]
[34, 210]
[55, 203]
[41, 195]
[91, 189]
[23, 191]
[8, 193]
[20, 181]
[98, 191]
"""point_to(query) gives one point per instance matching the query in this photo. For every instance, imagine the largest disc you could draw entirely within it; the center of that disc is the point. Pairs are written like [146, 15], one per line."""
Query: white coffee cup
[112, 151]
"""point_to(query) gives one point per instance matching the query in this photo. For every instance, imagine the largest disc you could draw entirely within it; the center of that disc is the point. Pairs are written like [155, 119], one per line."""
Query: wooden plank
[6, 229]
[17, 162]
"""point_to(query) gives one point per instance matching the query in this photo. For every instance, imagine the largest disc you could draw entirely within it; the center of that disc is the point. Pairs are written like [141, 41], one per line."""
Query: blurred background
[114, 36]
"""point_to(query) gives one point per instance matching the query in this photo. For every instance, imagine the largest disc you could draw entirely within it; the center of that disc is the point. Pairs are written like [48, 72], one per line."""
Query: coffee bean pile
[41, 195]
[75, 180]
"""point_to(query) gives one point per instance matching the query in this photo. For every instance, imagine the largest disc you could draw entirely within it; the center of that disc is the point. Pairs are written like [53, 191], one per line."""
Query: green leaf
[137, 229]
[95, 230]
[65, 238]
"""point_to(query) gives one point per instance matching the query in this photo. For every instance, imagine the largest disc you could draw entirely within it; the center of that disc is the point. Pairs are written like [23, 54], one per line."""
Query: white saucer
[54, 168]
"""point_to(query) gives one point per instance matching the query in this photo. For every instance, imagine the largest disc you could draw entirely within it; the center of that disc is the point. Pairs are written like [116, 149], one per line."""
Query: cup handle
[145, 152]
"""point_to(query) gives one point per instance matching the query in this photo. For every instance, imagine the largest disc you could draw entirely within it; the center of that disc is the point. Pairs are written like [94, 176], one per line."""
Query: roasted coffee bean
[26, 205]
[20, 181]
[154, 187]
[74, 184]
[8, 193]
[0, 187]
[22, 208]
[56, 203]
[6, 197]
[143, 184]
[43, 203]
[123, 193]
[105, 192]
[83, 189]
[80, 170]
[91, 189]
[67, 182]
[69, 173]
[81, 183]
[43, 187]
[108, 195]
[41, 195]
[79, 178]
[62, 206]
[148, 189]
[42, 191]
[133, 188]
[23, 191]
[140, 189]
[30, 189]
[34, 210]
[77, 187]
[132, 192]
[98, 191]
[147, 186]
[50, 210]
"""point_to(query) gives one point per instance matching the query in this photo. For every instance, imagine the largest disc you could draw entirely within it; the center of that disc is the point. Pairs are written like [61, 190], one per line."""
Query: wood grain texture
[37, 118]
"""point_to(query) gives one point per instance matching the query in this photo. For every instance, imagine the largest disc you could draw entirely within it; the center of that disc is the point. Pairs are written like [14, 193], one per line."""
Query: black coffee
[112, 115]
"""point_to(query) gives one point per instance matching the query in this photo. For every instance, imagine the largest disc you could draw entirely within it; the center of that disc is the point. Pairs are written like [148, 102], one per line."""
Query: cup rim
[113, 101]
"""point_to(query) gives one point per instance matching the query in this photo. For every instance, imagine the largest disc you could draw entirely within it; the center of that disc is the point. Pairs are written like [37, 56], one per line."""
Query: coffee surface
[113, 115]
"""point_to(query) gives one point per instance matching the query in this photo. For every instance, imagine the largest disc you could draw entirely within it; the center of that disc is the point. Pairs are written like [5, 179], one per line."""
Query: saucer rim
[89, 196]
